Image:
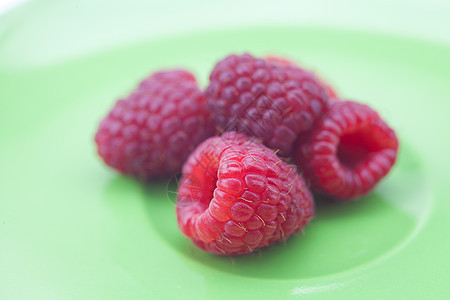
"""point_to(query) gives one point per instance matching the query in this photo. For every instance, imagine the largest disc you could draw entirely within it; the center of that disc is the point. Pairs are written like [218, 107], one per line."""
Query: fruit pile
[250, 147]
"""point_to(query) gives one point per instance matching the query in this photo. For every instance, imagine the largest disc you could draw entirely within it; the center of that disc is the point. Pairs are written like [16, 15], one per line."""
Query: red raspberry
[264, 99]
[151, 133]
[237, 196]
[349, 150]
[283, 61]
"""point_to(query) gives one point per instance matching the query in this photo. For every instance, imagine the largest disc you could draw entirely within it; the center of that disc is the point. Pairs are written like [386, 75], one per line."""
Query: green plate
[70, 228]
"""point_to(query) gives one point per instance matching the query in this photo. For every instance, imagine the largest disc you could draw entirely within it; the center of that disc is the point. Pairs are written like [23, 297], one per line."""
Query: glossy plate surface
[70, 228]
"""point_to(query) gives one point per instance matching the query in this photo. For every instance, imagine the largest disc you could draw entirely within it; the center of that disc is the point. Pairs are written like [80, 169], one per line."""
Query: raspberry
[151, 133]
[283, 61]
[349, 150]
[236, 196]
[265, 99]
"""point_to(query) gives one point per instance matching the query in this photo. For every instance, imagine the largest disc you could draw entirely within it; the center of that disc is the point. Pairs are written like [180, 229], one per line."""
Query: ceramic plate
[71, 228]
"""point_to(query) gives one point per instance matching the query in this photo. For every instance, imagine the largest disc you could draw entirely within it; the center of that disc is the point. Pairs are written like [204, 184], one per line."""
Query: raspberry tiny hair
[151, 132]
[236, 196]
[349, 150]
[264, 99]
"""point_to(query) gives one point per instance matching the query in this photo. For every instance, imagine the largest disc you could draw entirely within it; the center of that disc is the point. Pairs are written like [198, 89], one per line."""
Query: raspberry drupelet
[283, 61]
